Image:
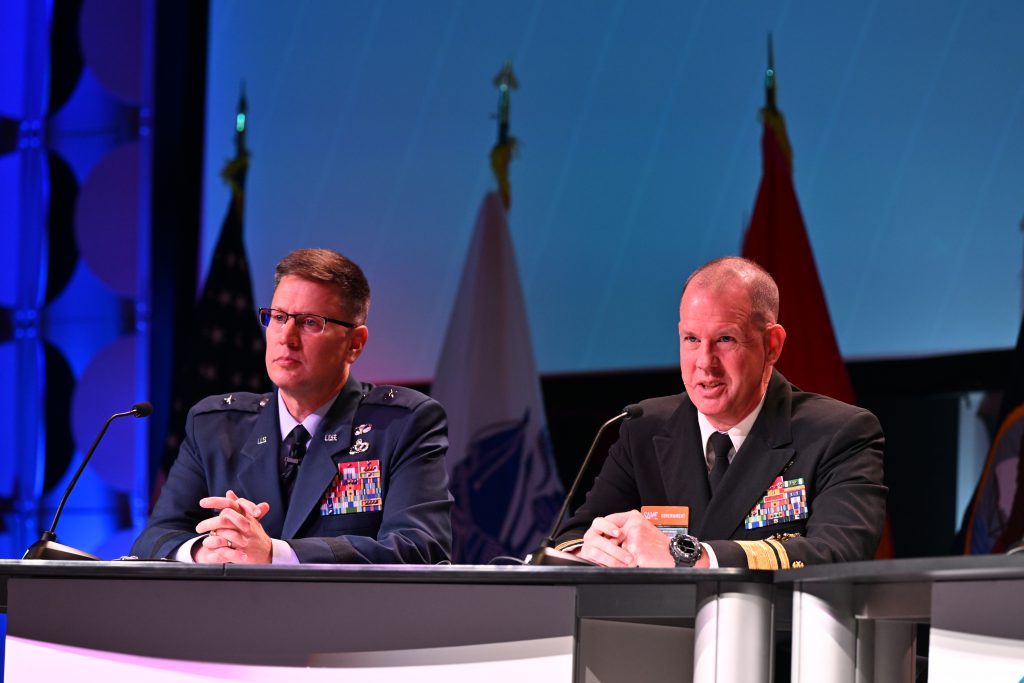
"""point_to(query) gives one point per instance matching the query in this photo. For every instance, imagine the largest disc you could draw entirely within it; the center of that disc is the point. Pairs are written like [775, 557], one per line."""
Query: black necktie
[295, 449]
[721, 444]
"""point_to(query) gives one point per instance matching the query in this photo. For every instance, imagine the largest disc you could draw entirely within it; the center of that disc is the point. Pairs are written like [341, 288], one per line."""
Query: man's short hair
[764, 293]
[331, 268]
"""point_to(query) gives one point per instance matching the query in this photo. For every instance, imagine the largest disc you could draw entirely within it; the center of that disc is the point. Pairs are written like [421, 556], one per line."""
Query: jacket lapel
[318, 468]
[763, 456]
[258, 467]
[683, 468]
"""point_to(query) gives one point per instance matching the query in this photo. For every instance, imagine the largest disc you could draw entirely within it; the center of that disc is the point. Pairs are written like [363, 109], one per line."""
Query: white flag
[503, 475]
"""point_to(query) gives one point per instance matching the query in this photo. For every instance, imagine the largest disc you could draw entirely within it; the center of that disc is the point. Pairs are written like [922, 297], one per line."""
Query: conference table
[166, 621]
[848, 623]
[858, 621]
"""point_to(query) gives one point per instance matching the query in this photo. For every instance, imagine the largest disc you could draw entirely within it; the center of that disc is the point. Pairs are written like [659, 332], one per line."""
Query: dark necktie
[295, 449]
[721, 444]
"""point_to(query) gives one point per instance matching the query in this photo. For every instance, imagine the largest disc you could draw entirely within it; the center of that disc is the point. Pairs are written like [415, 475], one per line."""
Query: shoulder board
[391, 395]
[239, 401]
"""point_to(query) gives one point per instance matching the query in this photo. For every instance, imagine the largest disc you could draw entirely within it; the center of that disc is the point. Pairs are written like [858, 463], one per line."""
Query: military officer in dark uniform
[766, 476]
[326, 469]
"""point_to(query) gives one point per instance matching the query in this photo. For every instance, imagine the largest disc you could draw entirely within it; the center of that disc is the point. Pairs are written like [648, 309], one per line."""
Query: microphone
[545, 554]
[47, 548]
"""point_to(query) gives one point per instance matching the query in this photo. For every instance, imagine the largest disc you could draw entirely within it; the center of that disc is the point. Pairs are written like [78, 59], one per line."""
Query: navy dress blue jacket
[833, 450]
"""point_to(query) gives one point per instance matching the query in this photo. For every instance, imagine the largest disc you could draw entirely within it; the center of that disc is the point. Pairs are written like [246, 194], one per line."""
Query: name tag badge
[784, 501]
[670, 519]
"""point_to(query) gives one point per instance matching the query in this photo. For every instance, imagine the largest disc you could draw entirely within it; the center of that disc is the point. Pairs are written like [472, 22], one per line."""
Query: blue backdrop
[640, 158]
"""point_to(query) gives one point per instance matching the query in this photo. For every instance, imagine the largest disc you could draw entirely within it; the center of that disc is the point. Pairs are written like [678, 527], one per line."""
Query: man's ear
[775, 338]
[357, 342]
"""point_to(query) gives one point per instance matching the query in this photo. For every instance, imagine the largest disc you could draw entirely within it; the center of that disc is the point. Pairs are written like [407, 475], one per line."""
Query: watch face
[685, 549]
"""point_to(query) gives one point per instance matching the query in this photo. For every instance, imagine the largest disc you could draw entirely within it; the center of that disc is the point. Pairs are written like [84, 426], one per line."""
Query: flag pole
[236, 169]
[501, 467]
[505, 147]
[225, 351]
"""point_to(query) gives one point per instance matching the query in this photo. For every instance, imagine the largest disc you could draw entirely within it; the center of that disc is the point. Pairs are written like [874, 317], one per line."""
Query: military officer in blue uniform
[326, 469]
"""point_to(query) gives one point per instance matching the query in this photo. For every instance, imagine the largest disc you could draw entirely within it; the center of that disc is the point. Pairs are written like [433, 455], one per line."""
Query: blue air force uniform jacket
[372, 487]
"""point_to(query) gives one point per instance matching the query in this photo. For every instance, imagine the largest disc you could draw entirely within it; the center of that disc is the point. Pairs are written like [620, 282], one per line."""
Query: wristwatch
[686, 550]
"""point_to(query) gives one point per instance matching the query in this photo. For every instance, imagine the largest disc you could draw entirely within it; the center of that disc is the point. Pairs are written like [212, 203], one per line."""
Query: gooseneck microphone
[545, 554]
[47, 548]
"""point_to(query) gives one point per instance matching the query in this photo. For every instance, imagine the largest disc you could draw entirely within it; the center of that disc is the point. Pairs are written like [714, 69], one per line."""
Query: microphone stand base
[556, 558]
[47, 548]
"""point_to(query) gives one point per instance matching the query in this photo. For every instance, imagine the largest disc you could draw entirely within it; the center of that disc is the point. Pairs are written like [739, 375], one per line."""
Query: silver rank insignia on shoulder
[229, 399]
[330, 437]
[362, 429]
[264, 402]
[390, 394]
[260, 441]
[358, 447]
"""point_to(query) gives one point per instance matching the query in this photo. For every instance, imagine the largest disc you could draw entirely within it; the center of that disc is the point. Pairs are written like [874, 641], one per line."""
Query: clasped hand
[626, 539]
[235, 533]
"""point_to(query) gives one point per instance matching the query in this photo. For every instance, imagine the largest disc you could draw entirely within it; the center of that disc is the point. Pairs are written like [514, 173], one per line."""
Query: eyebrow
[730, 331]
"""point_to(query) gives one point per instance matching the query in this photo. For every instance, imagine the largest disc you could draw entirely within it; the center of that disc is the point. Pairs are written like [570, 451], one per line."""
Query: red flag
[777, 240]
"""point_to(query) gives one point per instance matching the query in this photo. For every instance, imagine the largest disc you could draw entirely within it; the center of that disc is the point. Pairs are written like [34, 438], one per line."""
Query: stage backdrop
[370, 127]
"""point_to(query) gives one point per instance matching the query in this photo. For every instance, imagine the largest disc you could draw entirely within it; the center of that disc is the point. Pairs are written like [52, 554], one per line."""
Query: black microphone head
[143, 409]
[633, 410]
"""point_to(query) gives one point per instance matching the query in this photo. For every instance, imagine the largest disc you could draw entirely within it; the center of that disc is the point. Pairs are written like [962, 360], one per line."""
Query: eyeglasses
[308, 323]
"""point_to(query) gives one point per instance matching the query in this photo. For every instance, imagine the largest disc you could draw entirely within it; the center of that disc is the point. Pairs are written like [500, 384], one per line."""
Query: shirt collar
[737, 433]
[312, 421]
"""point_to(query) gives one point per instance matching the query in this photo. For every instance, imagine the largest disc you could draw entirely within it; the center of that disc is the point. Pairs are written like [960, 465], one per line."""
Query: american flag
[226, 349]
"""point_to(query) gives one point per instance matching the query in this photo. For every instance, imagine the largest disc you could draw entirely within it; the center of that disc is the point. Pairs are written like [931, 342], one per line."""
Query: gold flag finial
[505, 147]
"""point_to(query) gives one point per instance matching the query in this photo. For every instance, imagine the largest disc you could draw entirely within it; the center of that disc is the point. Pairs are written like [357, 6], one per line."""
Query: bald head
[729, 340]
[733, 271]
